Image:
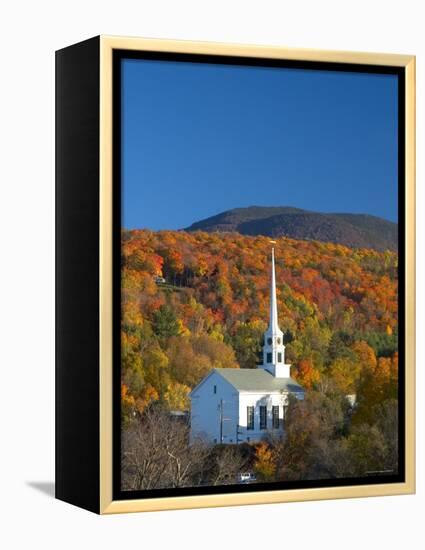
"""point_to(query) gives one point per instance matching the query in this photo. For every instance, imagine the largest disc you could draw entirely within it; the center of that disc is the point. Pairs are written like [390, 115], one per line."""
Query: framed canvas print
[235, 274]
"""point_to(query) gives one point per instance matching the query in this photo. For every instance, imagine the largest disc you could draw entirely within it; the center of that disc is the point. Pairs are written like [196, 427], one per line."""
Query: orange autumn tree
[306, 374]
[147, 396]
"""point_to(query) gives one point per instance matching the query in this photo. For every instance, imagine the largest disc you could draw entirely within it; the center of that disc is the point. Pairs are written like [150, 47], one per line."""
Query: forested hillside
[337, 308]
[354, 230]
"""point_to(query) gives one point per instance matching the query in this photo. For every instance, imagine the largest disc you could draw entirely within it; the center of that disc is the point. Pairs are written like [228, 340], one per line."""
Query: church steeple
[274, 350]
[273, 322]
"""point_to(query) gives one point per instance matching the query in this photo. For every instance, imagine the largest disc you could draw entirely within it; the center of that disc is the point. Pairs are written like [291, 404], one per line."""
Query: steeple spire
[274, 349]
[273, 322]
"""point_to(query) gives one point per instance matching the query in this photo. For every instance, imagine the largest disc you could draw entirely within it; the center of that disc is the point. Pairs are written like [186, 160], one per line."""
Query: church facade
[244, 405]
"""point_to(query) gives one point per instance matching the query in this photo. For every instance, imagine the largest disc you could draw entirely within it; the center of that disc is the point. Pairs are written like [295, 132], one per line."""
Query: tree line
[337, 307]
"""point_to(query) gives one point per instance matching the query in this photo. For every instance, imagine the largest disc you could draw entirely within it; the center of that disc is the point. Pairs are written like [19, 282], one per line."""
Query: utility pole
[221, 420]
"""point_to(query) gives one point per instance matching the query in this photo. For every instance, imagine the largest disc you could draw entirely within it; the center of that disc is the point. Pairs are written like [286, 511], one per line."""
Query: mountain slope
[354, 230]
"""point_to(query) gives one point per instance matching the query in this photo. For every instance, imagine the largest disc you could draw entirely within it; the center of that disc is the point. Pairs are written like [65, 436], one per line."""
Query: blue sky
[199, 139]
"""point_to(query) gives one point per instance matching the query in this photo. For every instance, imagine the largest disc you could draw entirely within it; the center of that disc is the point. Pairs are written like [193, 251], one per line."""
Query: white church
[244, 405]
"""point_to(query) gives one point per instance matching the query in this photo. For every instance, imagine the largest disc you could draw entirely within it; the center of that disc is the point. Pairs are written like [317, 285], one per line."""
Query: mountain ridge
[353, 230]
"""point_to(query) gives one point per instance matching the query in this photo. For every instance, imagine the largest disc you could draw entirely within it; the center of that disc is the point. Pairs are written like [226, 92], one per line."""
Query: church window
[263, 417]
[279, 357]
[269, 358]
[275, 417]
[269, 341]
[215, 389]
[250, 418]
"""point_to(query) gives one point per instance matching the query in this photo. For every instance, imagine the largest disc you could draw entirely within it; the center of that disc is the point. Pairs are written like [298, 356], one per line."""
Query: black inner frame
[118, 56]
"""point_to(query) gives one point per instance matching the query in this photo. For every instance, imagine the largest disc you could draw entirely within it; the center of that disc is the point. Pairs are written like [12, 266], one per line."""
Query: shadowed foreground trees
[156, 454]
[226, 462]
[323, 442]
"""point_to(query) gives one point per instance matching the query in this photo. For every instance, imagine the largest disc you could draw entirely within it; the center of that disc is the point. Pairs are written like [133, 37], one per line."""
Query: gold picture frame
[107, 505]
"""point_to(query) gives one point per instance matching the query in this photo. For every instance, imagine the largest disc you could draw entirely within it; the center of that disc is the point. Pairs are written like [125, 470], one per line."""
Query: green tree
[384, 345]
[340, 345]
[165, 323]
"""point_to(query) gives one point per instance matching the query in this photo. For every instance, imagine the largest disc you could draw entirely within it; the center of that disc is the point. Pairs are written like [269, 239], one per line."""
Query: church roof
[258, 380]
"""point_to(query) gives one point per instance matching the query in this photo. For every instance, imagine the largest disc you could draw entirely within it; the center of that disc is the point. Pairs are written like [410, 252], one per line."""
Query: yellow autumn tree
[265, 463]
[177, 396]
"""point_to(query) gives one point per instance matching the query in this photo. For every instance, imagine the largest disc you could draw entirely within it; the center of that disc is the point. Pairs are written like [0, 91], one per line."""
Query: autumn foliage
[337, 308]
